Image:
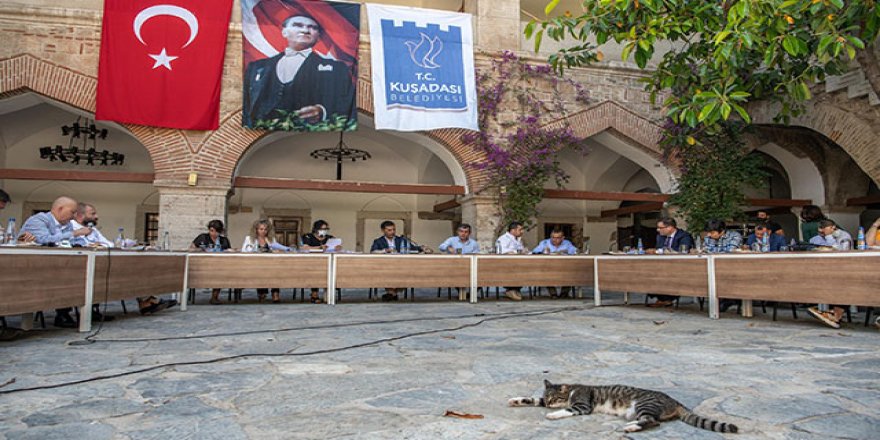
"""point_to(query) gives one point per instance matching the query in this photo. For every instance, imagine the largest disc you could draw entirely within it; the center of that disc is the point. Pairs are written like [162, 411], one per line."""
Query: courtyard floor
[366, 370]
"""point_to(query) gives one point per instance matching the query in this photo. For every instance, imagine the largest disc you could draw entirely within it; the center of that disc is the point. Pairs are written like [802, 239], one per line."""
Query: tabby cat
[644, 408]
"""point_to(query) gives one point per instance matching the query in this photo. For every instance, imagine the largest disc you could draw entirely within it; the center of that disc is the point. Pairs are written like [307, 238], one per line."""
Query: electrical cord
[315, 327]
[286, 354]
[88, 340]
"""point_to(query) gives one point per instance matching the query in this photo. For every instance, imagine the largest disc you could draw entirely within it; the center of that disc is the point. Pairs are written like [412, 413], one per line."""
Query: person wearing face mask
[830, 235]
[317, 240]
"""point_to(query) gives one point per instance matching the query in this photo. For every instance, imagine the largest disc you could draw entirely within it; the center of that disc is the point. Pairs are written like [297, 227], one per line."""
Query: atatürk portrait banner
[300, 64]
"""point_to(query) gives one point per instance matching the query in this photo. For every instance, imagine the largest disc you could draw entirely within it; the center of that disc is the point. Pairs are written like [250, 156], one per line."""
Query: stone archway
[167, 148]
[230, 142]
[853, 134]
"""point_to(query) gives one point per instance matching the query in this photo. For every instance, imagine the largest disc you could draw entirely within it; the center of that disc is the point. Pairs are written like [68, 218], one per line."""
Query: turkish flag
[162, 62]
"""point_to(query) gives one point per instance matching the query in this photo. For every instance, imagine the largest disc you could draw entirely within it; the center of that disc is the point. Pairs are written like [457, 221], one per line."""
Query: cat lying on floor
[644, 408]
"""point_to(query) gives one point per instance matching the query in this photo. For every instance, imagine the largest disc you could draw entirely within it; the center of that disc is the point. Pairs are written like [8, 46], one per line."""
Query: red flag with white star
[162, 62]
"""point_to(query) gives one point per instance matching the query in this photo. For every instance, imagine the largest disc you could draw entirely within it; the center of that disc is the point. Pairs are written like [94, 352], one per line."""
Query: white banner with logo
[423, 69]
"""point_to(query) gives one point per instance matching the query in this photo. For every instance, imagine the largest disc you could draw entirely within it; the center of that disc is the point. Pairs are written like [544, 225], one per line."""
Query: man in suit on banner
[298, 80]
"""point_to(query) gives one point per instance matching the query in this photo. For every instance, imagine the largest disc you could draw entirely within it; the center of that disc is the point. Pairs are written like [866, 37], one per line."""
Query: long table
[41, 279]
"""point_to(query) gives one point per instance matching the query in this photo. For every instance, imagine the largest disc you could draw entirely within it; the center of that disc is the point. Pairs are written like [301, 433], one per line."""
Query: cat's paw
[561, 414]
[521, 401]
[632, 427]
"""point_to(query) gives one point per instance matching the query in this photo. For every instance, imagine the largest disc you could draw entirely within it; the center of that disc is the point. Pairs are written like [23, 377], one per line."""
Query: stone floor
[363, 370]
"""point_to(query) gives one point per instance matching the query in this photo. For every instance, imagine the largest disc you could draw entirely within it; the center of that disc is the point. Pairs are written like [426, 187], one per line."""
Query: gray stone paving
[779, 380]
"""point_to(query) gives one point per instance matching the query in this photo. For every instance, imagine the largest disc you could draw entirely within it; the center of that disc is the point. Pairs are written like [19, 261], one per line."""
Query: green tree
[726, 52]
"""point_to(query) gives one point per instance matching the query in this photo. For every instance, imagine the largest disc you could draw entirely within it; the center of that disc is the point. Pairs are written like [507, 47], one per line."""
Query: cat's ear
[547, 383]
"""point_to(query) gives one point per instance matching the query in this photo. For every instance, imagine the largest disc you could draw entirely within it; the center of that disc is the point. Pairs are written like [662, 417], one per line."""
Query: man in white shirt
[87, 216]
[511, 243]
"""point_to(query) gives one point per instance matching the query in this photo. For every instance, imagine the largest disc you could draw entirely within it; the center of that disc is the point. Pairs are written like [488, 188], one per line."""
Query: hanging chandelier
[341, 153]
[82, 147]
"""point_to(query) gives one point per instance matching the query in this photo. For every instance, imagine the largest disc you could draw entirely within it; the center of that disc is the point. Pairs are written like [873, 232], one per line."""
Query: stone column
[496, 25]
[185, 212]
[482, 213]
[797, 234]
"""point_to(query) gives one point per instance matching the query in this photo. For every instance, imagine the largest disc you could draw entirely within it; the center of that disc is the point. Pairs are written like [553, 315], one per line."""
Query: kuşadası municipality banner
[423, 69]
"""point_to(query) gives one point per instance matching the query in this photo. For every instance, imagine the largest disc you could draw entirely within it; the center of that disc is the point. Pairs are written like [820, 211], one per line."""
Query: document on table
[332, 243]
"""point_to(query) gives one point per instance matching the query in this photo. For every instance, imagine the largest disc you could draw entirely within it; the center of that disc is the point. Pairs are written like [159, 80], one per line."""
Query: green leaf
[837, 3]
[743, 114]
[707, 110]
[691, 118]
[550, 7]
[823, 43]
[641, 58]
[859, 44]
[721, 36]
[530, 28]
[725, 110]
[624, 54]
[538, 37]
[739, 96]
[805, 90]
[789, 43]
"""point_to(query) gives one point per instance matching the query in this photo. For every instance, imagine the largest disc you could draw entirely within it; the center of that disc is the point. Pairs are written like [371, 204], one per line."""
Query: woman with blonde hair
[264, 241]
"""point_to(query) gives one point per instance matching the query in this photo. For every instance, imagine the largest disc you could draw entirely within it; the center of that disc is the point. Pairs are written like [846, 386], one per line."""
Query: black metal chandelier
[341, 153]
[87, 153]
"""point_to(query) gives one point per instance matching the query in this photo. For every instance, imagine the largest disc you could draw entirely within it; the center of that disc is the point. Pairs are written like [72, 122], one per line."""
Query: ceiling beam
[447, 205]
[76, 176]
[345, 186]
[863, 201]
[604, 196]
[792, 203]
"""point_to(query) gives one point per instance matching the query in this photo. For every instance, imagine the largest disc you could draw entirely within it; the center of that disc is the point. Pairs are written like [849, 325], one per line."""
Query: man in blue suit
[390, 243]
[670, 238]
[50, 229]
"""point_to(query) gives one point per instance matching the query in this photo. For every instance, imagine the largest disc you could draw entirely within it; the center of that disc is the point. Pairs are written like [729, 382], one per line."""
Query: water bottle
[11, 235]
[404, 247]
[498, 247]
[120, 239]
[640, 248]
[765, 242]
[862, 244]
[166, 242]
[217, 247]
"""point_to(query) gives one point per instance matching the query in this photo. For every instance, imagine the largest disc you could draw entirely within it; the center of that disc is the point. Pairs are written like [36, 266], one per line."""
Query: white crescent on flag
[162, 58]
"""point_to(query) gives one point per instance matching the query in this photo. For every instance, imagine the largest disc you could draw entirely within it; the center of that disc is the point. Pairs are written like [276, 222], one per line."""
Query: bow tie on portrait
[288, 52]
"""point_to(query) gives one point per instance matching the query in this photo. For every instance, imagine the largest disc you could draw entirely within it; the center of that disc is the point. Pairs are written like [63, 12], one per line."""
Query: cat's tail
[705, 423]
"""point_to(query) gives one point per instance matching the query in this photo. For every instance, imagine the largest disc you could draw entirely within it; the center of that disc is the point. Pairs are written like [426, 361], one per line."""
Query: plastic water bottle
[217, 247]
[640, 248]
[862, 244]
[11, 235]
[120, 239]
[498, 247]
[765, 242]
[404, 247]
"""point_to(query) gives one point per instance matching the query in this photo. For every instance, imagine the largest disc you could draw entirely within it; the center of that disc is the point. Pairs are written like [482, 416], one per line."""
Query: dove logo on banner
[423, 69]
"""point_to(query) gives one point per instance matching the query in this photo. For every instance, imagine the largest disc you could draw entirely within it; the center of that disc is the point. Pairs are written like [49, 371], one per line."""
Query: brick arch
[610, 115]
[224, 148]
[643, 134]
[851, 133]
[169, 149]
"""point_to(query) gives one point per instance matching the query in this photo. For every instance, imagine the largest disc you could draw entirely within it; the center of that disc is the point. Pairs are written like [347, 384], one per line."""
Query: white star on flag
[162, 59]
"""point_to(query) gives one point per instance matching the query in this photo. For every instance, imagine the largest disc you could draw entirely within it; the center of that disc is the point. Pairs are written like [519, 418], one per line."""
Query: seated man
[390, 243]
[775, 241]
[719, 239]
[461, 242]
[87, 216]
[51, 229]
[775, 228]
[556, 245]
[511, 243]
[830, 235]
[672, 239]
